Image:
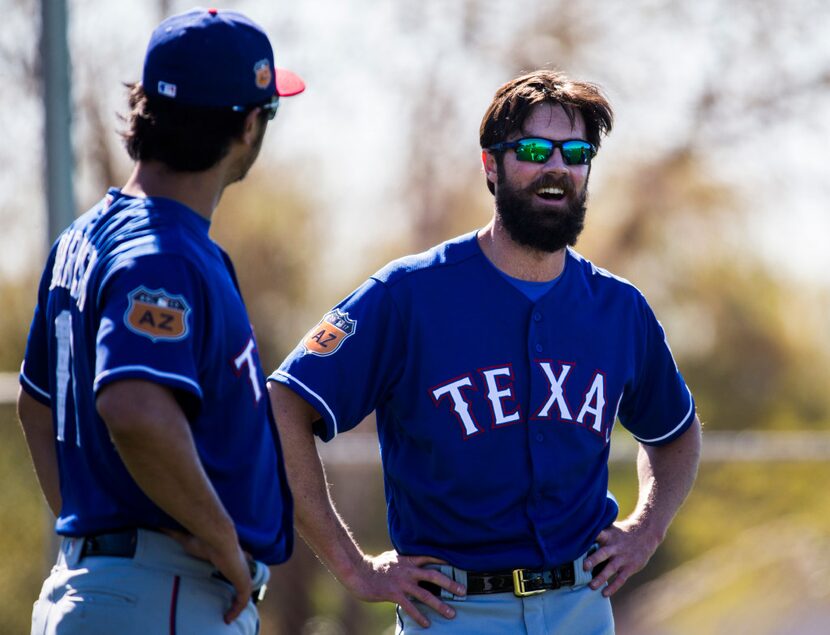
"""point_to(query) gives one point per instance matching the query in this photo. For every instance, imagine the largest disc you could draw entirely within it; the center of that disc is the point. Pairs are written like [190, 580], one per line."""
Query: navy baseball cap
[213, 58]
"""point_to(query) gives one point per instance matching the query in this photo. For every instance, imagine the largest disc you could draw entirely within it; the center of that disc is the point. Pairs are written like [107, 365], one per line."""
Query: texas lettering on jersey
[497, 388]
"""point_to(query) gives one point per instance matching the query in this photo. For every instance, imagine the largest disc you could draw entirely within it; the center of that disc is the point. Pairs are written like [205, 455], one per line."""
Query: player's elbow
[33, 415]
[692, 440]
[114, 408]
[131, 407]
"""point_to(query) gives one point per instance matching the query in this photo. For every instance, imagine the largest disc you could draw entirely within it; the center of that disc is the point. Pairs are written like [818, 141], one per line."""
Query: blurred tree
[668, 212]
[672, 214]
[19, 59]
[24, 525]
[268, 228]
[19, 298]
[671, 218]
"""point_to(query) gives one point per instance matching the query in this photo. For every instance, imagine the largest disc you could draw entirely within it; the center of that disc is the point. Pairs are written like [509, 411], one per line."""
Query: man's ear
[491, 168]
[251, 128]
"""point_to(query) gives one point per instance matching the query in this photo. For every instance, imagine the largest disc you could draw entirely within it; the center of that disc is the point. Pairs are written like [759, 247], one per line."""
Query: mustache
[554, 180]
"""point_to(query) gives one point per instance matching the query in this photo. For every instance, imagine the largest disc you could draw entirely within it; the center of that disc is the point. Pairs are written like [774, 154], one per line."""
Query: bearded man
[498, 363]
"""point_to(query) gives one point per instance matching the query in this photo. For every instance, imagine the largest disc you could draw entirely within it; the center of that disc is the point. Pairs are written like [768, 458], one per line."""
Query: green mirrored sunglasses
[538, 150]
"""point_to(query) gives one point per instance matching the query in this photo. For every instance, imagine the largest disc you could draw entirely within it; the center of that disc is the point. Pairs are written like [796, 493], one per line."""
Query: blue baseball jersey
[136, 289]
[494, 412]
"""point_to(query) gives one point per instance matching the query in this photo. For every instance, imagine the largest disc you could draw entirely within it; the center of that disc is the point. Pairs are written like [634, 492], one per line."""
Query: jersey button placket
[536, 328]
[538, 343]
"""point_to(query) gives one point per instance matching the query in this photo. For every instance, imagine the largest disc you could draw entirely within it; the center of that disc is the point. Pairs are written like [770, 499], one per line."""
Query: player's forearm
[316, 519]
[156, 445]
[666, 475]
[320, 525]
[36, 421]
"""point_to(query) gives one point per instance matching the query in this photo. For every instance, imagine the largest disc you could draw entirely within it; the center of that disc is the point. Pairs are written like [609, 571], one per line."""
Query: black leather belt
[122, 544]
[119, 544]
[521, 582]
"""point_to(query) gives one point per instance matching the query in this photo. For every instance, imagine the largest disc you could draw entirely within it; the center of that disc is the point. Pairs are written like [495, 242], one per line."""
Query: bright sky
[361, 60]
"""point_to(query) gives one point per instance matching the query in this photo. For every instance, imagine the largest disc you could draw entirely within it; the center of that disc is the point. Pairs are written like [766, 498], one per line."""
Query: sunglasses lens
[271, 107]
[577, 152]
[535, 150]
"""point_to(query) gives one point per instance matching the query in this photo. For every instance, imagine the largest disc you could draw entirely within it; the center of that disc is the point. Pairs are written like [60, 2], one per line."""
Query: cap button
[212, 11]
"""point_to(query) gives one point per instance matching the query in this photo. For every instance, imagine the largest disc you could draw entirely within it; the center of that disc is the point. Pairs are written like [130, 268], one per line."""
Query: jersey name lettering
[504, 408]
[74, 260]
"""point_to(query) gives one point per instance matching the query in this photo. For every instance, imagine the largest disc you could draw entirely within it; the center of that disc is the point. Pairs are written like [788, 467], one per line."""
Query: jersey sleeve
[34, 372]
[152, 316]
[346, 364]
[658, 407]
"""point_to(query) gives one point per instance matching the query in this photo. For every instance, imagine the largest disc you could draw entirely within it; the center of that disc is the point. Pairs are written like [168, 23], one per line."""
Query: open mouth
[551, 193]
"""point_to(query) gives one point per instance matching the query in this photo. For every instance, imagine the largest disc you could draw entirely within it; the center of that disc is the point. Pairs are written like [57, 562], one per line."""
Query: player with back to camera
[497, 364]
[142, 396]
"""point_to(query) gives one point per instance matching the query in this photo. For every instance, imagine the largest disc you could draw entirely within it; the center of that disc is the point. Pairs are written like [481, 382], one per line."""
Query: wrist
[355, 573]
[651, 531]
[221, 532]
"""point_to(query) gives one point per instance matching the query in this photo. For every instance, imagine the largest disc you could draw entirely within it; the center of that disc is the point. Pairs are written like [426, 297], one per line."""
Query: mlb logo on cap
[168, 90]
[216, 59]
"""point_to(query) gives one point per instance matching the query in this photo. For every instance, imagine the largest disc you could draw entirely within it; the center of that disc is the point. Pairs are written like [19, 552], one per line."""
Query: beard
[532, 225]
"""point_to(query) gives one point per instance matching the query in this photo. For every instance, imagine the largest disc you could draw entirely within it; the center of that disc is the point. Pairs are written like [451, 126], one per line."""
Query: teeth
[556, 191]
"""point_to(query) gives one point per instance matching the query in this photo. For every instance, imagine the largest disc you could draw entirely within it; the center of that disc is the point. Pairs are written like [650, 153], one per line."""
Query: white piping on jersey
[148, 370]
[608, 494]
[676, 428]
[614, 419]
[310, 392]
[33, 386]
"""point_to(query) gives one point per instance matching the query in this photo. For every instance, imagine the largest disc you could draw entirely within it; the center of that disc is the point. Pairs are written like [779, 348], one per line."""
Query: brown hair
[514, 101]
[185, 138]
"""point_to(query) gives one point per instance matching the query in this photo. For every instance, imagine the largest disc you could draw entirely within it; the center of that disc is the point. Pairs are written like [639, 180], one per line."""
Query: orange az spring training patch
[157, 314]
[330, 333]
[262, 73]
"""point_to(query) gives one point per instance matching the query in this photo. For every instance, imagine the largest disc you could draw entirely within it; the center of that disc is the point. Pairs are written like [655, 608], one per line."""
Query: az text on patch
[157, 314]
[334, 329]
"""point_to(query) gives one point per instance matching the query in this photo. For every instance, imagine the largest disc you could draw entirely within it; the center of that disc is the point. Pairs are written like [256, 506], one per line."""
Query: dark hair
[514, 101]
[185, 138]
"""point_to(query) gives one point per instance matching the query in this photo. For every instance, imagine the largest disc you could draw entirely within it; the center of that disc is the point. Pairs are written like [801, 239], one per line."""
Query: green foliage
[19, 299]
[748, 552]
[753, 348]
[760, 369]
[26, 525]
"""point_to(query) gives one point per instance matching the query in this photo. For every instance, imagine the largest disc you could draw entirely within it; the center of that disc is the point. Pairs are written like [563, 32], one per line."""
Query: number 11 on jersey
[63, 372]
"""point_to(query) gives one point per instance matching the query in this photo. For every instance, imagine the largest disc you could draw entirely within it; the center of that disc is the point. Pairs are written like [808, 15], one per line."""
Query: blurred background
[711, 194]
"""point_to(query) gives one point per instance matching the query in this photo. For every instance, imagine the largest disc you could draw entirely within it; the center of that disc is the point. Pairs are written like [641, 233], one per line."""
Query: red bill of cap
[289, 83]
